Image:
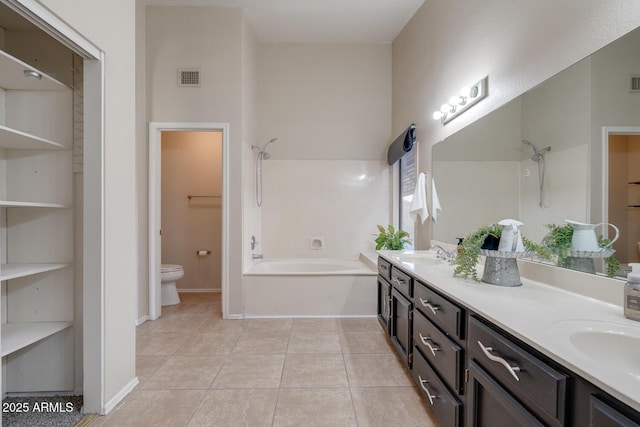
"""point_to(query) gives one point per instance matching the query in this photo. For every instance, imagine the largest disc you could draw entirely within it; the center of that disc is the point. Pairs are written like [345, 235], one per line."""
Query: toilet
[169, 275]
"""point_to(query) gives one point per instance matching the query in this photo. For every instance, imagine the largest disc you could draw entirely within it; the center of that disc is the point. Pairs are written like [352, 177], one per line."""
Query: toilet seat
[168, 268]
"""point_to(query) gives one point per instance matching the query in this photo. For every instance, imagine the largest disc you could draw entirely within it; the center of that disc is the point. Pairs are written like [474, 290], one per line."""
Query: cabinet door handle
[427, 304]
[512, 369]
[426, 342]
[426, 390]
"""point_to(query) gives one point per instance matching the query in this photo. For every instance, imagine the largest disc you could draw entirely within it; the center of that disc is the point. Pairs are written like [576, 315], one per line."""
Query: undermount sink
[610, 344]
[425, 258]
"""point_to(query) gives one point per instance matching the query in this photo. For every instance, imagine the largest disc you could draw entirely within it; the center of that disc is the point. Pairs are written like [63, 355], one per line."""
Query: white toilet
[169, 275]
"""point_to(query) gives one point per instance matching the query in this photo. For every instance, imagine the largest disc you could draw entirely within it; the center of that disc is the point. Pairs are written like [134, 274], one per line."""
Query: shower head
[266, 155]
[537, 154]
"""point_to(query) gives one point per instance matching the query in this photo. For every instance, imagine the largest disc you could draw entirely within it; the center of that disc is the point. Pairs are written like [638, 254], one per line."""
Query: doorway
[198, 201]
[622, 189]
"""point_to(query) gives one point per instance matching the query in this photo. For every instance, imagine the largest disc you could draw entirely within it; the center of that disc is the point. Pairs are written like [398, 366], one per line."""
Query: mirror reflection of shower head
[537, 154]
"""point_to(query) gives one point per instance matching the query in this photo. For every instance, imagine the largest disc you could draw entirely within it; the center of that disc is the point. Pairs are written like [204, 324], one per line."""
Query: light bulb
[446, 108]
[465, 91]
[438, 115]
[457, 100]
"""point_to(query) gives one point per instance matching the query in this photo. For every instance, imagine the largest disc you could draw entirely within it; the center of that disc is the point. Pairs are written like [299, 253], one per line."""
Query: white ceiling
[318, 21]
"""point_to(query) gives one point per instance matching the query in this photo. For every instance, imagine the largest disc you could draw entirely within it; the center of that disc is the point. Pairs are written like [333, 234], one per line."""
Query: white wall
[192, 165]
[95, 20]
[338, 200]
[517, 44]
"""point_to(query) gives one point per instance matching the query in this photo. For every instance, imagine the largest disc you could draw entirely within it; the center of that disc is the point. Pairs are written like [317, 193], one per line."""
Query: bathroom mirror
[485, 172]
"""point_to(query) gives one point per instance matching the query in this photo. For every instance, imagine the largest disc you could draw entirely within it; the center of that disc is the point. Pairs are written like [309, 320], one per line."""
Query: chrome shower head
[537, 154]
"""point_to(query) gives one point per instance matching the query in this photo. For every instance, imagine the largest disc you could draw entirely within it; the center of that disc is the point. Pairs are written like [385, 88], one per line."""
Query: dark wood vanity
[473, 373]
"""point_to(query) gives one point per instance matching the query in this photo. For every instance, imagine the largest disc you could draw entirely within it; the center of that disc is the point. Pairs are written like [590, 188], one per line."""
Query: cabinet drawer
[448, 316]
[384, 268]
[402, 282]
[446, 406]
[442, 353]
[529, 379]
[604, 415]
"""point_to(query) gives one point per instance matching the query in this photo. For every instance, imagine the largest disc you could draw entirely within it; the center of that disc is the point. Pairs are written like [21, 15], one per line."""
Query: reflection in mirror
[485, 172]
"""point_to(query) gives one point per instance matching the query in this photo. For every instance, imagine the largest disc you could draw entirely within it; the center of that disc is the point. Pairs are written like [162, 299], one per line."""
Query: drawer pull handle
[512, 369]
[400, 282]
[426, 390]
[430, 306]
[426, 342]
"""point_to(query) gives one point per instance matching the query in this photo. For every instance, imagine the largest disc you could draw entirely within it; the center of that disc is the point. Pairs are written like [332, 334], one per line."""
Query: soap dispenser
[632, 293]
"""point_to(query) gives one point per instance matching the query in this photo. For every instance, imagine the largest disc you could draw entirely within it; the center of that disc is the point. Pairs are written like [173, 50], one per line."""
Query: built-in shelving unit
[36, 229]
[18, 335]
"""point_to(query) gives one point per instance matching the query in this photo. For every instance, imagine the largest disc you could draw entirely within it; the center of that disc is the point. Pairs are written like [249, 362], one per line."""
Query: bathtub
[310, 287]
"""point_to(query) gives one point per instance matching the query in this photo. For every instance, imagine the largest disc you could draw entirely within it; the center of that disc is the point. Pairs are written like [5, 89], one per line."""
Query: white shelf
[16, 139]
[12, 76]
[21, 334]
[13, 271]
[14, 204]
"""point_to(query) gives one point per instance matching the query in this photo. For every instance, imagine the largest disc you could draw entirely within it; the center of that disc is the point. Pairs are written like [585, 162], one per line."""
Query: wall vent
[634, 83]
[189, 78]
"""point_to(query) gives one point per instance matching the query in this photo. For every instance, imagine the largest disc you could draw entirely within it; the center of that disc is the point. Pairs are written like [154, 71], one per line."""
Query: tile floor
[196, 369]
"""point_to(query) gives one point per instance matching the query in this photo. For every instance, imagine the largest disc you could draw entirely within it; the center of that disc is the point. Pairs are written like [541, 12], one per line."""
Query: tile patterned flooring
[196, 369]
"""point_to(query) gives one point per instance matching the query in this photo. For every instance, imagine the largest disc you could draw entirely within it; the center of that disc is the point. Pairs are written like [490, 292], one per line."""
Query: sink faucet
[256, 256]
[443, 253]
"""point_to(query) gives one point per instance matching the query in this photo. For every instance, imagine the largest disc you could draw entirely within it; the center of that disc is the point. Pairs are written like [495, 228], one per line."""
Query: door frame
[606, 132]
[155, 140]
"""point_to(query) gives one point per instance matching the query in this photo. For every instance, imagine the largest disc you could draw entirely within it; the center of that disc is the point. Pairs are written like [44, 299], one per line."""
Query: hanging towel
[435, 202]
[419, 202]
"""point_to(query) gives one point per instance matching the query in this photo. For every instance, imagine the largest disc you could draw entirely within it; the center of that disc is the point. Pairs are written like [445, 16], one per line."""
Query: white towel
[419, 202]
[435, 202]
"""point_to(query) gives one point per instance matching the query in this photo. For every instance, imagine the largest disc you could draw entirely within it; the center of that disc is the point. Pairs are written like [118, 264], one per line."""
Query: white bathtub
[310, 288]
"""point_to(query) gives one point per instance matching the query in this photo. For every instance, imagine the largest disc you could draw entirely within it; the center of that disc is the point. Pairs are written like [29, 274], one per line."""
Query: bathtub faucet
[256, 256]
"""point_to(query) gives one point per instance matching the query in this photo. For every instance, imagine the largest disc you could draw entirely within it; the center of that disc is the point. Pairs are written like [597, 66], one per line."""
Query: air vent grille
[189, 78]
[634, 83]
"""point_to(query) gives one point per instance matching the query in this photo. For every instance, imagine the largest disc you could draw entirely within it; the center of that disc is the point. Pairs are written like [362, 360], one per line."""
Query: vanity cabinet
[473, 373]
[384, 294]
[401, 313]
[36, 230]
[384, 304]
[520, 379]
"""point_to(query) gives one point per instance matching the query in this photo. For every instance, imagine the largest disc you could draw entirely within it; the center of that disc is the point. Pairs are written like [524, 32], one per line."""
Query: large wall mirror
[589, 116]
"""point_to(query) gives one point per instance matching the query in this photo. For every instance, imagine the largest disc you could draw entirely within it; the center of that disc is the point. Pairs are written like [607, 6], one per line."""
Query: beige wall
[211, 39]
[192, 165]
[325, 102]
[95, 20]
[517, 44]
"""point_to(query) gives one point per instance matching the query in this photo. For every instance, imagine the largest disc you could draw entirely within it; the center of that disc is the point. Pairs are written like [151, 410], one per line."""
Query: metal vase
[501, 271]
[585, 265]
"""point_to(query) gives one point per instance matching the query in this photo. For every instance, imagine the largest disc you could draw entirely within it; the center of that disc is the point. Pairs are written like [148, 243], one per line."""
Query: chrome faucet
[443, 253]
[256, 256]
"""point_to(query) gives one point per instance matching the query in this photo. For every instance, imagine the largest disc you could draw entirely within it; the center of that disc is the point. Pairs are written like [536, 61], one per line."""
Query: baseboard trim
[141, 320]
[113, 402]
[234, 316]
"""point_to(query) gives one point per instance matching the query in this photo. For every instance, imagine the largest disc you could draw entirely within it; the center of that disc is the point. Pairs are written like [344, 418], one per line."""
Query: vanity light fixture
[32, 74]
[468, 96]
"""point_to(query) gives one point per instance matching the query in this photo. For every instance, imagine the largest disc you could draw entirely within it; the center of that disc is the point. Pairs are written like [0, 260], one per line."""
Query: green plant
[391, 239]
[558, 242]
[469, 250]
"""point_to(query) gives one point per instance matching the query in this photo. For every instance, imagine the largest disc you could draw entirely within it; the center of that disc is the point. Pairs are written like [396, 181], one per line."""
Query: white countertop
[544, 317]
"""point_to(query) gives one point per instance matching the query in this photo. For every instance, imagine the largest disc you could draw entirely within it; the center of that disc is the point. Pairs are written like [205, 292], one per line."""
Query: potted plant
[558, 242]
[391, 238]
[485, 237]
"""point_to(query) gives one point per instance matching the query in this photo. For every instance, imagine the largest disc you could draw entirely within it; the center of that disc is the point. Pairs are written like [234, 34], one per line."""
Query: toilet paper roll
[203, 253]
